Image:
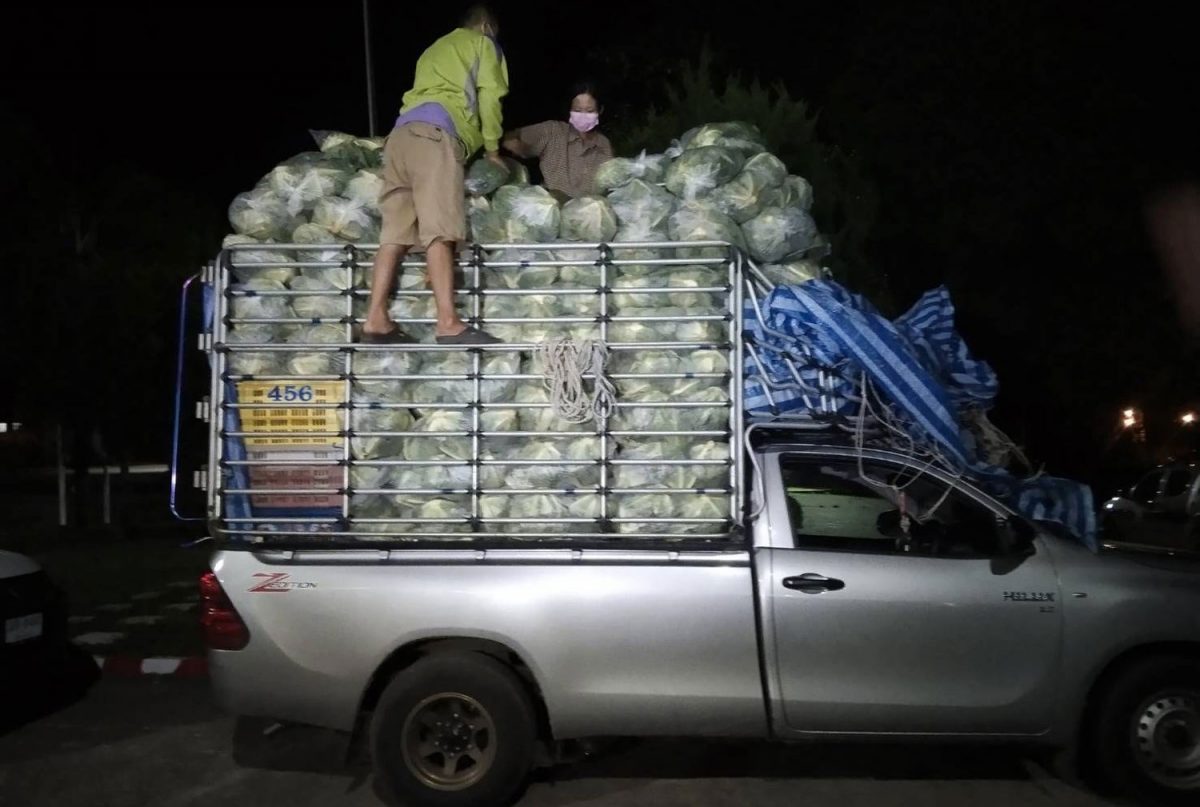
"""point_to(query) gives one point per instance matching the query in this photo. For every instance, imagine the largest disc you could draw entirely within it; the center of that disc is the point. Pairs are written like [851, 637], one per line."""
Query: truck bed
[603, 633]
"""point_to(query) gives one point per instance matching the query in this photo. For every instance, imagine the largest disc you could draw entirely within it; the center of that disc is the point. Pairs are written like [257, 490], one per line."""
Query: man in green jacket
[452, 110]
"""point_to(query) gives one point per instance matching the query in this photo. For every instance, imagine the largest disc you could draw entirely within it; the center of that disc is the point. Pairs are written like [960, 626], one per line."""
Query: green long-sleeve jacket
[465, 73]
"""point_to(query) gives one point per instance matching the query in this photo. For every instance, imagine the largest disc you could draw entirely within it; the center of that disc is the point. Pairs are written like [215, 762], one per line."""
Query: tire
[1145, 739]
[453, 730]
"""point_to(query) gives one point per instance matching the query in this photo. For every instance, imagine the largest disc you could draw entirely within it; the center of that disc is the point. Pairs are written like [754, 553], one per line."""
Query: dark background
[1013, 148]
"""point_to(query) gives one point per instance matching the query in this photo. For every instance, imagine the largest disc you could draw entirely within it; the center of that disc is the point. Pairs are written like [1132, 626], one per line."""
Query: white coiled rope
[565, 362]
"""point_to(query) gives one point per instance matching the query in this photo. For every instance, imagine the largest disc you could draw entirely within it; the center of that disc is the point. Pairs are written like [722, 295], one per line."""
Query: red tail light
[223, 627]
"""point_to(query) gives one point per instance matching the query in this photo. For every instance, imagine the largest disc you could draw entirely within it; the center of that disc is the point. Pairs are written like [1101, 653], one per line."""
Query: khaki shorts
[422, 198]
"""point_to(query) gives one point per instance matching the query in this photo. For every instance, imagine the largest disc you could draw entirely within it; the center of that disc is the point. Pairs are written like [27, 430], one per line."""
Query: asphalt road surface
[147, 741]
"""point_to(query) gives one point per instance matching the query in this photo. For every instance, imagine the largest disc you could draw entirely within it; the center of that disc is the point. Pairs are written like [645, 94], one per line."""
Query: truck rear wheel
[1146, 738]
[453, 730]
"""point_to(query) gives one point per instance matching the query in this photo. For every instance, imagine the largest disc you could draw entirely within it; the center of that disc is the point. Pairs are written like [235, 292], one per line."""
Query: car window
[1146, 490]
[884, 510]
[1177, 482]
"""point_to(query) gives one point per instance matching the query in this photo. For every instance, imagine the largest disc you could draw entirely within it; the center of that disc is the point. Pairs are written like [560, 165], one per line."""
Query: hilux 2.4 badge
[276, 582]
[1029, 596]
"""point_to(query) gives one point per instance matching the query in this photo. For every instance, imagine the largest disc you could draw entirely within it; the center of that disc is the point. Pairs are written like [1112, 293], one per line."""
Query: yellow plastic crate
[299, 419]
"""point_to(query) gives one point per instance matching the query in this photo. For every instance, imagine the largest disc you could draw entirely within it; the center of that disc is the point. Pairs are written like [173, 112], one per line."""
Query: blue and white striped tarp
[919, 366]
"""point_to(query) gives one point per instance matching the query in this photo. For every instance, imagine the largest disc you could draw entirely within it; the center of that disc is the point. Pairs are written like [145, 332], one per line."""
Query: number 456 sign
[290, 392]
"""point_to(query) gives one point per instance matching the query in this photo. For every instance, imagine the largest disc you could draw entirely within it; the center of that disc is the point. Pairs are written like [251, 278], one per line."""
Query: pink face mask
[585, 121]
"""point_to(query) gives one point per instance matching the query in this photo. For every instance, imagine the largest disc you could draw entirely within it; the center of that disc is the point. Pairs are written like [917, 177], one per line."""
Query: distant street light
[1129, 418]
[1188, 418]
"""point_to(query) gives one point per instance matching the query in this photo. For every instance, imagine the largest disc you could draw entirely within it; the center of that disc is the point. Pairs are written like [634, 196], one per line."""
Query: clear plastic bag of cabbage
[669, 361]
[588, 218]
[536, 306]
[703, 221]
[666, 324]
[378, 420]
[645, 505]
[262, 214]
[456, 510]
[530, 214]
[334, 273]
[518, 174]
[554, 474]
[247, 264]
[630, 416]
[355, 152]
[384, 362]
[346, 219]
[253, 300]
[794, 192]
[329, 303]
[519, 274]
[374, 477]
[484, 177]
[305, 179]
[778, 232]
[437, 446]
[679, 288]
[445, 478]
[621, 171]
[642, 206]
[791, 273]
[459, 365]
[707, 506]
[742, 198]
[325, 362]
[485, 227]
[662, 470]
[699, 171]
[743, 138]
[365, 187]
[557, 508]
[264, 363]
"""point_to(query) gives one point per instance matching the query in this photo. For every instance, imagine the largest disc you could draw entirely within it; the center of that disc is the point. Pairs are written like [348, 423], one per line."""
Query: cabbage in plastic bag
[677, 281]
[645, 505]
[484, 177]
[540, 419]
[519, 277]
[500, 306]
[378, 420]
[518, 174]
[457, 508]
[530, 214]
[794, 192]
[246, 263]
[385, 362]
[265, 363]
[554, 474]
[778, 232]
[435, 391]
[332, 254]
[374, 477]
[484, 225]
[620, 171]
[262, 214]
[305, 179]
[698, 171]
[352, 151]
[703, 221]
[256, 304]
[707, 418]
[365, 188]
[742, 198]
[791, 273]
[553, 507]
[454, 420]
[331, 305]
[588, 218]
[713, 506]
[346, 219]
[642, 207]
[742, 138]
[327, 362]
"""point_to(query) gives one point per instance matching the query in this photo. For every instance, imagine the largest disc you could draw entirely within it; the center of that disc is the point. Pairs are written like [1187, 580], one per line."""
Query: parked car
[1162, 508]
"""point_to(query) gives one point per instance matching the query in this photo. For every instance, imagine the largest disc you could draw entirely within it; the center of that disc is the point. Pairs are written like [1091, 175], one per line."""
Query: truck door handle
[813, 583]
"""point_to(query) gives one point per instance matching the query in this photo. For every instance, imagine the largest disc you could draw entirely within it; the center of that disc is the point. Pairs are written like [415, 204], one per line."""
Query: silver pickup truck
[853, 593]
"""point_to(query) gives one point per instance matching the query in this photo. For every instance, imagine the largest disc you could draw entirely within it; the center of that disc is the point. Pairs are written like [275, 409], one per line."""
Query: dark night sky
[1018, 139]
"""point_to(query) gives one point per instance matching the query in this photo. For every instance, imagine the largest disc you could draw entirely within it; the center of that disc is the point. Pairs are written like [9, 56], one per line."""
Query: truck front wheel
[1146, 736]
[453, 730]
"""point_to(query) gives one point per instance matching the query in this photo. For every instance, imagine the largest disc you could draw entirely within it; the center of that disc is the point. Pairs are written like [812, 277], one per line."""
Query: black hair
[477, 15]
[585, 87]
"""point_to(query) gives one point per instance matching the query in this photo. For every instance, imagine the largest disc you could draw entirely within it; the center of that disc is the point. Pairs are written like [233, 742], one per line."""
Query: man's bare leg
[440, 258]
[383, 280]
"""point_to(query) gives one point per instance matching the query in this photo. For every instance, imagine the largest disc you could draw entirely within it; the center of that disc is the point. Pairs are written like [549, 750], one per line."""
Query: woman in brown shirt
[570, 151]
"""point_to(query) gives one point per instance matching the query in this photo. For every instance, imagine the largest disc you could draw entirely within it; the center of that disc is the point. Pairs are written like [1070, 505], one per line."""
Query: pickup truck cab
[814, 584]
